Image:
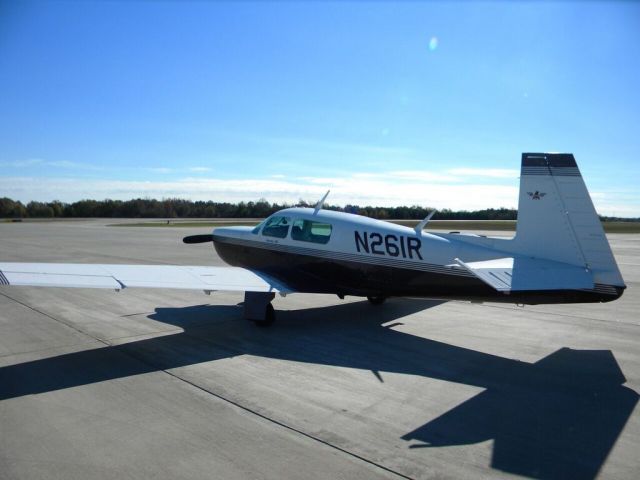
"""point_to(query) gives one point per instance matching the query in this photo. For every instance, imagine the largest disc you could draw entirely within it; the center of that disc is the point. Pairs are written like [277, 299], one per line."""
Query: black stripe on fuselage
[358, 258]
[315, 274]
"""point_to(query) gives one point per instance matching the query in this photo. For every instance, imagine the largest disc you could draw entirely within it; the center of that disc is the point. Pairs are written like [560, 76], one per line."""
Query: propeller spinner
[198, 238]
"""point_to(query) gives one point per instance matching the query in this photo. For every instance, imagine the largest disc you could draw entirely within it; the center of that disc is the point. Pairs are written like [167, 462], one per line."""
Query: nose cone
[231, 232]
[228, 244]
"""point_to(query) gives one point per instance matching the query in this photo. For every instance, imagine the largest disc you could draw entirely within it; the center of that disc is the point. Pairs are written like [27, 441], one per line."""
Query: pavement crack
[217, 395]
[288, 427]
[258, 414]
[62, 322]
[49, 349]
[557, 314]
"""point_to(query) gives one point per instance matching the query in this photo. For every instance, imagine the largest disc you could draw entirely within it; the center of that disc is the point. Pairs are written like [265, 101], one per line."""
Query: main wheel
[269, 317]
[376, 299]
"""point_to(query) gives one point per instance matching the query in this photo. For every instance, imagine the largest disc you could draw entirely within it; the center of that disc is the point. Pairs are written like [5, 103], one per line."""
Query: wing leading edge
[142, 276]
[521, 274]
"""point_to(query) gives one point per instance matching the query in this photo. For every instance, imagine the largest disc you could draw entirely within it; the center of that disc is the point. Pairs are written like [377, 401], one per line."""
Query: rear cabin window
[308, 231]
[276, 227]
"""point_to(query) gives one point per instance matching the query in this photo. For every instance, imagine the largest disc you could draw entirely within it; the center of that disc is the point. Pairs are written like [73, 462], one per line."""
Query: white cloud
[484, 172]
[423, 176]
[384, 189]
[22, 163]
[38, 162]
[66, 164]
[617, 203]
[364, 191]
[322, 146]
[72, 165]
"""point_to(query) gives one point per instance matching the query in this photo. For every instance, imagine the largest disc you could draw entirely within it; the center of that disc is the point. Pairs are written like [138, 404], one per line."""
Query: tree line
[179, 208]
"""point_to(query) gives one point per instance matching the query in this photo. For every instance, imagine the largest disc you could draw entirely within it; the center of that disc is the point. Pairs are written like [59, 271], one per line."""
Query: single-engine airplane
[559, 254]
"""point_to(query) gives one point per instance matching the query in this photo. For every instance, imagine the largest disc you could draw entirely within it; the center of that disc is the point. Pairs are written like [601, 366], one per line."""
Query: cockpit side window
[309, 231]
[277, 227]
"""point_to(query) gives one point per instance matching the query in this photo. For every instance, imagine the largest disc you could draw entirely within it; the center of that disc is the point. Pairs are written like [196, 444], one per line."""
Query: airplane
[559, 254]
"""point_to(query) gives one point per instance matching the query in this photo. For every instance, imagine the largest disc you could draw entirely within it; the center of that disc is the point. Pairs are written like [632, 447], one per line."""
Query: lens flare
[433, 43]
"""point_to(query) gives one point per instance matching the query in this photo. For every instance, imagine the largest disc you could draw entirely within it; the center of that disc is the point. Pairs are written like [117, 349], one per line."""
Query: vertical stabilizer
[557, 220]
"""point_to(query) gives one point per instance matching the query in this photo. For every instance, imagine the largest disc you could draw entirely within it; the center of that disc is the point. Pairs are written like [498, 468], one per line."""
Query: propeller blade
[198, 238]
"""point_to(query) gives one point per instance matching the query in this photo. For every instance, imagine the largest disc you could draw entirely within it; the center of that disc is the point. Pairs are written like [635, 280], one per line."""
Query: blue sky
[385, 103]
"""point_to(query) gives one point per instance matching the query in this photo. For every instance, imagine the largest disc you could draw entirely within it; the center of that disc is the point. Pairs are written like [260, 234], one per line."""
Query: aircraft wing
[146, 276]
[523, 273]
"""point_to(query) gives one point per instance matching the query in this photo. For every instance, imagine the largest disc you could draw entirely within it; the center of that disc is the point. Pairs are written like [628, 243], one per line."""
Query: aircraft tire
[376, 299]
[269, 317]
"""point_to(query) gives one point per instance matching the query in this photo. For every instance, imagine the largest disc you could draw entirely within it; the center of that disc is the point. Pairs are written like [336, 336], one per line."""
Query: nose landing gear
[269, 317]
[258, 308]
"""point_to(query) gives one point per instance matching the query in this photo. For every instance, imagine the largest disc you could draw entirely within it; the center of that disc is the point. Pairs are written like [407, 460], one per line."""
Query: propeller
[198, 238]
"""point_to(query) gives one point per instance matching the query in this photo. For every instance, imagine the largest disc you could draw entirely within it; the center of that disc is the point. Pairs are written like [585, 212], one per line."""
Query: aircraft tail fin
[557, 220]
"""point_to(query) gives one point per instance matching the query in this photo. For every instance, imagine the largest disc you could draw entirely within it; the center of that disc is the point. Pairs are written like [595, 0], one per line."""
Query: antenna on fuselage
[423, 223]
[321, 202]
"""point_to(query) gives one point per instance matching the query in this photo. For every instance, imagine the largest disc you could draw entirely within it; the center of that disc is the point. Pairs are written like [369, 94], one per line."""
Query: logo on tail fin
[536, 195]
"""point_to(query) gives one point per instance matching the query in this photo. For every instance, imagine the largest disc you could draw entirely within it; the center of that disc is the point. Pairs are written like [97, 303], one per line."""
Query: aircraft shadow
[556, 418]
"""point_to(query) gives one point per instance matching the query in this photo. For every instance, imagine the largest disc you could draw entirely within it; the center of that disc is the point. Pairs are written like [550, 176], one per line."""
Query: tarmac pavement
[175, 384]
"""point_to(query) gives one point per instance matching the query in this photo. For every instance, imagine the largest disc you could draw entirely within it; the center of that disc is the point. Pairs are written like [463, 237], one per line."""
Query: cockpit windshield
[257, 228]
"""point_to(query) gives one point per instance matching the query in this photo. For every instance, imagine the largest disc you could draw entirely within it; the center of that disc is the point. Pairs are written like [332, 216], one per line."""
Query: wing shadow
[556, 418]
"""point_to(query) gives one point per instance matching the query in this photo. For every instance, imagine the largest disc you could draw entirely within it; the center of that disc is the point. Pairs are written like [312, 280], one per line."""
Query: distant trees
[138, 208]
[39, 209]
[11, 209]
[179, 208]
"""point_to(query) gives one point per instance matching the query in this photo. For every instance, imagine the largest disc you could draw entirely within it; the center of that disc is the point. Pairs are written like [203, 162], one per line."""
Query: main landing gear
[258, 308]
[376, 299]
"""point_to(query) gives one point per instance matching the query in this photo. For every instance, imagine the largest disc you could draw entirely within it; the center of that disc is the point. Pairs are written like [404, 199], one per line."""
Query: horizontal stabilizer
[522, 273]
[144, 276]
